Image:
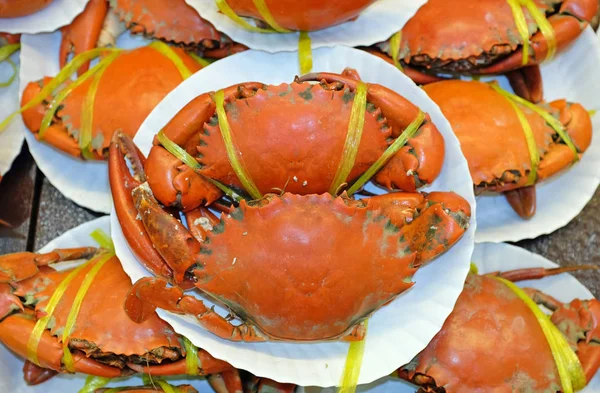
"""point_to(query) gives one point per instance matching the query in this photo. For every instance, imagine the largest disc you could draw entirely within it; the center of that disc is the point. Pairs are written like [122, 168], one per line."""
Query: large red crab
[103, 341]
[326, 262]
[174, 22]
[292, 137]
[307, 15]
[492, 341]
[481, 37]
[144, 73]
[494, 141]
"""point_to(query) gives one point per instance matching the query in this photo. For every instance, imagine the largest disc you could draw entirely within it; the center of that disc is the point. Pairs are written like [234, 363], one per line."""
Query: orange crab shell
[483, 342]
[492, 137]
[320, 277]
[17, 8]
[173, 20]
[124, 337]
[305, 15]
[467, 35]
[132, 85]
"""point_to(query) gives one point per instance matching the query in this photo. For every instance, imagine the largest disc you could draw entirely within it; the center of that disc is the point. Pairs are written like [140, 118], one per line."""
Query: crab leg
[149, 293]
[527, 83]
[226, 382]
[522, 200]
[83, 33]
[121, 185]
[431, 223]
[34, 374]
[206, 365]
[23, 265]
[15, 331]
[417, 163]
[567, 24]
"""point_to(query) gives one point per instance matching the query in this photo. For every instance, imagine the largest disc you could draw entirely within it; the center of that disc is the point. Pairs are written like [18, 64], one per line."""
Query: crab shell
[466, 36]
[104, 341]
[131, 86]
[326, 263]
[306, 15]
[172, 21]
[487, 343]
[291, 137]
[17, 8]
[492, 137]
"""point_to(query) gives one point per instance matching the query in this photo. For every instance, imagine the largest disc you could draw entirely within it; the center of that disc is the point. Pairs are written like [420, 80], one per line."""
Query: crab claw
[172, 182]
[432, 222]
[121, 185]
[580, 323]
[420, 161]
[83, 33]
[34, 374]
[150, 292]
[20, 266]
[15, 332]
[568, 24]
[522, 200]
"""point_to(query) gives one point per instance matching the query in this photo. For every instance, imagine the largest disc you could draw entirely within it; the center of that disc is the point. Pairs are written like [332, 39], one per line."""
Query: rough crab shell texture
[437, 284]
[38, 16]
[11, 374]
[469, 34]
[306, 15]
[284, 151]
[315, 302]
[374, 24]
[492, 137]
[172, 20]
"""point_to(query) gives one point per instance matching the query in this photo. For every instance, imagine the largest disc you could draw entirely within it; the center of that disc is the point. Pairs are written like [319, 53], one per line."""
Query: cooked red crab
[492, 341]
[146, 74]
[306, 15]
[102, 340]
[481, 37]
[326, 262]
[494, 142]
[292, 137]
[172, 21]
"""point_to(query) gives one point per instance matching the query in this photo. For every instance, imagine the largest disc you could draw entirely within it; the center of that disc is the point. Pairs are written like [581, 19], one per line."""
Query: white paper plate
[490, 257]
[11, 138]
[396, 332]
[572, 75]
[375, 24]
[58, 14]
[84, 182]
[11, 374]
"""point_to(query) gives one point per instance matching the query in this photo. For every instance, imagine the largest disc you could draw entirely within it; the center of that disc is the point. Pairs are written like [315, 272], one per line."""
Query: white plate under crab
[11, 374]
[572, 75]
[84, 182]
[11, 138]
[375, 24]
[56, 15]
[396, 332]
[490, 257]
